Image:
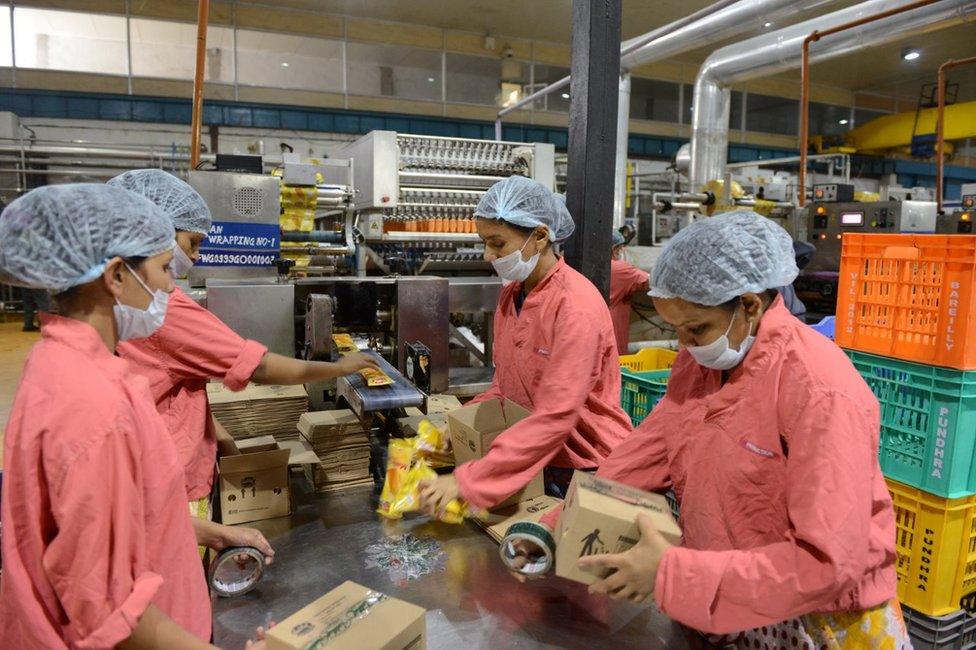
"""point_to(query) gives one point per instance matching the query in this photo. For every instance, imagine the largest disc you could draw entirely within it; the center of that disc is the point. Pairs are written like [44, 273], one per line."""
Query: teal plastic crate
[928, 423]
[641, 391]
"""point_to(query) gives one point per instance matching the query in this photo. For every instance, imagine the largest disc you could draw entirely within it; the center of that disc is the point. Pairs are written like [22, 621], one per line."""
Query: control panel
[833, 192]
[959, 222]
[827, 223]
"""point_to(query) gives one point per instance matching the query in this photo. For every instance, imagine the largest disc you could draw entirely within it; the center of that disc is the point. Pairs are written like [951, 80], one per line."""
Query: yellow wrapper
[406, 468]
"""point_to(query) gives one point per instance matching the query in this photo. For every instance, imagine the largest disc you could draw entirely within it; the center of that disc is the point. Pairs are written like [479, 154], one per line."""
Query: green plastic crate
[641, 391]
[928, 423]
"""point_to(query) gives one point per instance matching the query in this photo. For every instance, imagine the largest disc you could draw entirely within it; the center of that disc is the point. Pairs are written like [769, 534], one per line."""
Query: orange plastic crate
[909, 297]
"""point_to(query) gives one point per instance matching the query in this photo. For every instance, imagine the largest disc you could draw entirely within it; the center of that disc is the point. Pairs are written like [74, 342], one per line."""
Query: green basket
[928, 423]
[641, 391]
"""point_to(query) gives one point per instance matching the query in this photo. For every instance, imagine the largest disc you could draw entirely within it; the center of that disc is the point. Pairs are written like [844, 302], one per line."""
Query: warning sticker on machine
[233, 243]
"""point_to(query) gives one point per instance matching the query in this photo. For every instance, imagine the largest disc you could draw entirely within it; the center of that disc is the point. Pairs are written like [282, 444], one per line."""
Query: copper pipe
[814, 36]
[203, 12]
[940, 127]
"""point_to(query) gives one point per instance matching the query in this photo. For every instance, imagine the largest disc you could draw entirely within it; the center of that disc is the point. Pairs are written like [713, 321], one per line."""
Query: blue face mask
[719, 355]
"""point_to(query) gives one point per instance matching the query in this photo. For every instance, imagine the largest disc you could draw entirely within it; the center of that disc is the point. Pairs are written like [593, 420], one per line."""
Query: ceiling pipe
[940, 127]
[813, 37]
[196, 122]
[781, 51]
[717, 21]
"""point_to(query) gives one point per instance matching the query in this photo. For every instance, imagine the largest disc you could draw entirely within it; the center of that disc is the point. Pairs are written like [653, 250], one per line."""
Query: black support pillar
[593, 136]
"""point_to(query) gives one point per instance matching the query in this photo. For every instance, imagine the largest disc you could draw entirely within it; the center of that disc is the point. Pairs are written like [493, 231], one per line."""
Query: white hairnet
[59, 236]
[523, 202]
[720, 258]
[178, 200]
[618, 239]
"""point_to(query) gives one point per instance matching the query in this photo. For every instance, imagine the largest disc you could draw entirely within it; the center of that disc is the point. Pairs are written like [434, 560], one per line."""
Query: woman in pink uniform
[194, 346]
[554, 354]
[98, 550]
[625, 281]
[769, 438]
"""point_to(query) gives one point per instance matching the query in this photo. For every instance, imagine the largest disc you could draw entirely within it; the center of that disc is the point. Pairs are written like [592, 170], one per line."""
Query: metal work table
[471, 601]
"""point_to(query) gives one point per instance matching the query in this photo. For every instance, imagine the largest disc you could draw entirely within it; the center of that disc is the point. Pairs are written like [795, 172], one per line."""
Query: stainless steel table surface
[470, 599]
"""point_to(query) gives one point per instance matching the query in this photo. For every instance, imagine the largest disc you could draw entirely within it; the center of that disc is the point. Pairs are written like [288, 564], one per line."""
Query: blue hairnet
[720, 258]
[618, 239]
[59, 236]
[523, 202]
[177, 199]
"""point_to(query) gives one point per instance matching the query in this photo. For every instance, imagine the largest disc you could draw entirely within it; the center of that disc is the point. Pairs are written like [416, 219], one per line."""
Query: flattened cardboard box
[254, 484]
[474, 428]
[500, 519]
[599, 517]
[353, 617]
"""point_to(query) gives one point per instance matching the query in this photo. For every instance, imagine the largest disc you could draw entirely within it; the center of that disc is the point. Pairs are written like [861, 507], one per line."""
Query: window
[653, 100]
[864, 115]
[557, 101]
[735, 107]
[68, 40]
[766, 114]
[473, 79]
[393, 71]
[168, 49]
[829, 120]
[6, 47]
[286, 61]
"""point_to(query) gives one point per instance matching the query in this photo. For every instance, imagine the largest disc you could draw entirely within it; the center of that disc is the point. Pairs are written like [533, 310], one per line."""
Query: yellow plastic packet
[406, 468]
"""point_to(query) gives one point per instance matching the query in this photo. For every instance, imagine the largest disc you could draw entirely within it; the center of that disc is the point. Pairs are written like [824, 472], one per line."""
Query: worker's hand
[633, 572]
[525, 552]
[356, 361]
[436, 494]
[259, 641]
[230, 536]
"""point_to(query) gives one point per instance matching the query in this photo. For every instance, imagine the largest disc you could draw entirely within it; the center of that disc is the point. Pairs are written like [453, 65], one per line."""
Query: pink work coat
[190, 348]
[558, 359]
[625, 280]
[95, 524]
[783, 506]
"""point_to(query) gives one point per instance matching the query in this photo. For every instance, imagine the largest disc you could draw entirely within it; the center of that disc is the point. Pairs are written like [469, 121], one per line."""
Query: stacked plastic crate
[906, 315]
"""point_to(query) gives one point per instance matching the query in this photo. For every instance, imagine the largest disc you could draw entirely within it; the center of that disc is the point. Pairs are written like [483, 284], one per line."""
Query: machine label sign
[233, 243]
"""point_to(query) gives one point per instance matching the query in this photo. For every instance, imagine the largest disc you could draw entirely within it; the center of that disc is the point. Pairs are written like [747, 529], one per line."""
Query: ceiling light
[565, 95]
[284, 64]
[910, 54]
[431, 79]
[843, 122]
[767, 25]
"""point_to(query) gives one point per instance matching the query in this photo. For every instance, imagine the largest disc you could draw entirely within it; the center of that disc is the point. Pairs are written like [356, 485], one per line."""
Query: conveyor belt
[363, 399]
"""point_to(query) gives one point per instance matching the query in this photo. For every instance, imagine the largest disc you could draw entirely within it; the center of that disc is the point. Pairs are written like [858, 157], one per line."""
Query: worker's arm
[156, 630]
[279, 369]
[226, 445]
[520, 452]
[218, 537]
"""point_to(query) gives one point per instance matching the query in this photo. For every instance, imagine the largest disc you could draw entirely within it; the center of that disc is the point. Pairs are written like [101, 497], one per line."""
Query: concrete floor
[14, 346]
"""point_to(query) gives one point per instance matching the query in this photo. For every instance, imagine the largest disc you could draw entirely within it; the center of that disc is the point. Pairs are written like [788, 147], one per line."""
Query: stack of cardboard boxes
[258, 410]
[342, 445]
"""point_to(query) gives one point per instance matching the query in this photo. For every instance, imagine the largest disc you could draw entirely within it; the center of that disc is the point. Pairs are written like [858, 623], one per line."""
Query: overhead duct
[718, 21]
[781, 51]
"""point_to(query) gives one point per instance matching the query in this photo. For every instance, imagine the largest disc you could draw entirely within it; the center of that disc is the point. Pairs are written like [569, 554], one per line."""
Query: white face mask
[135, 323]
[718, 355]
[512, 268]
[181, 263]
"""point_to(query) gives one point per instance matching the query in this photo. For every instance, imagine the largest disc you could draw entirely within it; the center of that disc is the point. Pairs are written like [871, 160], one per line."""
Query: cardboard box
[299, 451]
[353, 617]
[254, 484]
[473, 429]
[599, 517]
[498, 521]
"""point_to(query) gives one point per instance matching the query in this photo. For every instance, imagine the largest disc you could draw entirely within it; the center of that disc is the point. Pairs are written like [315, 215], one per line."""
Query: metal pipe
[940, 127]
[325, 236]
[780, 51]
[203, 13]
[813, 37]
[720, 20]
